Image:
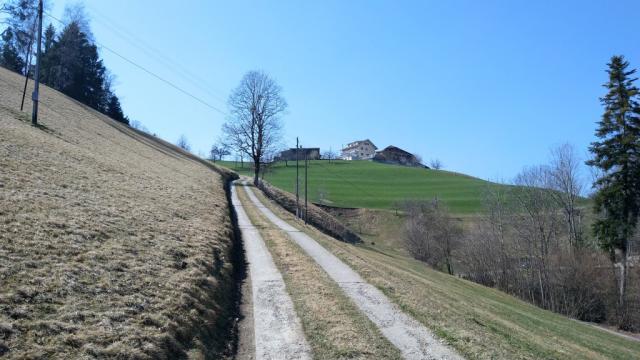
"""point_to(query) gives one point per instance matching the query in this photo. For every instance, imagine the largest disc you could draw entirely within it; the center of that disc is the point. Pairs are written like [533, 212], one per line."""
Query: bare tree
[537, 227]
[219, 150]
[565, 179]
[330, 155]
[436, 164]
[76, 13]
[255, 126]
[21, 19]
[431, 234]
[183, 143]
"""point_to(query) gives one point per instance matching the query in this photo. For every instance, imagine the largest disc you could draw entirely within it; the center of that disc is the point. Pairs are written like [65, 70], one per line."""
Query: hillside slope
[367, 184]
[112, 243]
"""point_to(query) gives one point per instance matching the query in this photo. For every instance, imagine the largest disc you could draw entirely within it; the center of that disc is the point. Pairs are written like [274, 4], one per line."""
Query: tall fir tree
[78, 70]
[70, 61]
[48, 59]
[9, 56]
[617, 155]
[114, 110]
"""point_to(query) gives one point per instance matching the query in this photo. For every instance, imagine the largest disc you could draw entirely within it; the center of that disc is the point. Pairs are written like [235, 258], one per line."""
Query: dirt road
[413, 339]
[277, 330]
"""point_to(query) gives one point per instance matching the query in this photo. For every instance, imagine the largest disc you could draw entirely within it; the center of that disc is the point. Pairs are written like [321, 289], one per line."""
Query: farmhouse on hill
[359, 150]
[293, 153]
[395, 155]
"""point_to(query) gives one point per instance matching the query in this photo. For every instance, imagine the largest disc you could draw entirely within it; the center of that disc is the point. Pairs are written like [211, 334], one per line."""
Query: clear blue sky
[486, 86]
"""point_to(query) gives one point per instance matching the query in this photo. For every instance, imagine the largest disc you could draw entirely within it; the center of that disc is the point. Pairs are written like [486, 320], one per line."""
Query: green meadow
[367, 184]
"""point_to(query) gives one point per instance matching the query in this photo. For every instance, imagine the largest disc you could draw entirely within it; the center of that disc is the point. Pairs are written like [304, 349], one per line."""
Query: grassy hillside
[113, 244]
[480, 322]
[367, 184]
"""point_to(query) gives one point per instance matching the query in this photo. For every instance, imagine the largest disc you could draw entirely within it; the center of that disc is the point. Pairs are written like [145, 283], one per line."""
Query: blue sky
[485, 86]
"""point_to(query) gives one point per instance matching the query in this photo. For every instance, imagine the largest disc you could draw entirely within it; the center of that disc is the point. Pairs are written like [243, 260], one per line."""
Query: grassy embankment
[332, 324]
[113, 243]
[480, 322]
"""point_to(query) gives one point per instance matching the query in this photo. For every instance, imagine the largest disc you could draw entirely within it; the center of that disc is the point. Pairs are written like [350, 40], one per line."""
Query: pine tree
[617, 155]
[49, 38]
[9, 58]
[78, 70]
[114, 110]
[48, 59]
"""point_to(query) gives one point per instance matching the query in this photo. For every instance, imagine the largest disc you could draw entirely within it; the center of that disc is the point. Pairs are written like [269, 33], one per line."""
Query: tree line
[540, 239]
[70, 61]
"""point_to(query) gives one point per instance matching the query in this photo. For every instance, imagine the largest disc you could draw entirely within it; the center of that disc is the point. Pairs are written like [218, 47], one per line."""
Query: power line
[156, 54]
[149, 72]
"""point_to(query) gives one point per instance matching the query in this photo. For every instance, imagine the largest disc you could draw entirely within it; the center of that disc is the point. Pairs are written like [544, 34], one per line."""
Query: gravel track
[278, 332]
[413, 339]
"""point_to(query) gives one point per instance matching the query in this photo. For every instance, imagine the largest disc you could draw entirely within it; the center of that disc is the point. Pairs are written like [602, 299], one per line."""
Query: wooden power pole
[306, 165]
[26, 66]
[297, 179]
[36, 77]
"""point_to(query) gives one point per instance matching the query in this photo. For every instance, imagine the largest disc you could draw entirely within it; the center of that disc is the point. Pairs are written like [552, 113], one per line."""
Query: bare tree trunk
[256, 173]
[449, 267]
[622, 290]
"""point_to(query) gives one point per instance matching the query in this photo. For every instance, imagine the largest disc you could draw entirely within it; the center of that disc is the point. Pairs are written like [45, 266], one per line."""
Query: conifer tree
[114, 110]
[9, 56]
[48, 56]
[78, 70]
[617, 156]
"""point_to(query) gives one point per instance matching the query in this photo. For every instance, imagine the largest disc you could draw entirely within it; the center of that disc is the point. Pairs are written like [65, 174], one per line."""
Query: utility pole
[36, 77]
[26, 75]
[306, 165]
[297, 179]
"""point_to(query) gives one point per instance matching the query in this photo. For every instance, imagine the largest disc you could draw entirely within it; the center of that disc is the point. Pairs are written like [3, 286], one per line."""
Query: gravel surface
[278, 332]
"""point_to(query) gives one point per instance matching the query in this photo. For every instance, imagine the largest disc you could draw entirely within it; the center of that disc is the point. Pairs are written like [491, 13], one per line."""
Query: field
[479, 322]
[113, 244]
[366, 184]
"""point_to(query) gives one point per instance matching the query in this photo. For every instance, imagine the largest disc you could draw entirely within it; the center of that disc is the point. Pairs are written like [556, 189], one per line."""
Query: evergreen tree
[70, 61]
[48, 59]
[49, 38]
[78, 70]
[617, 155]
[114, 110]
[9, 58]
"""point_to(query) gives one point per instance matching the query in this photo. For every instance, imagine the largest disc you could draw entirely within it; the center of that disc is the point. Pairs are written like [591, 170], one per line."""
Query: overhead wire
[149, 72]
[157, 55]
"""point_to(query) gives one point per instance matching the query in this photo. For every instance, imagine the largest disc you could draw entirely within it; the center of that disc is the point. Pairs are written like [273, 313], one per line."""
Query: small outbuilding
[293, 154]
[397, 156]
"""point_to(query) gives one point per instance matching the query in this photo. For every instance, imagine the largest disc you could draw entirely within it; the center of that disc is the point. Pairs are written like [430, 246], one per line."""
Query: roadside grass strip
[413, 339]
[278, 331]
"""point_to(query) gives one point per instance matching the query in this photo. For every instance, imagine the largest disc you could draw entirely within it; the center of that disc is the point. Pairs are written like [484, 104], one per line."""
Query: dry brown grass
[333, 325]
[112, 244]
